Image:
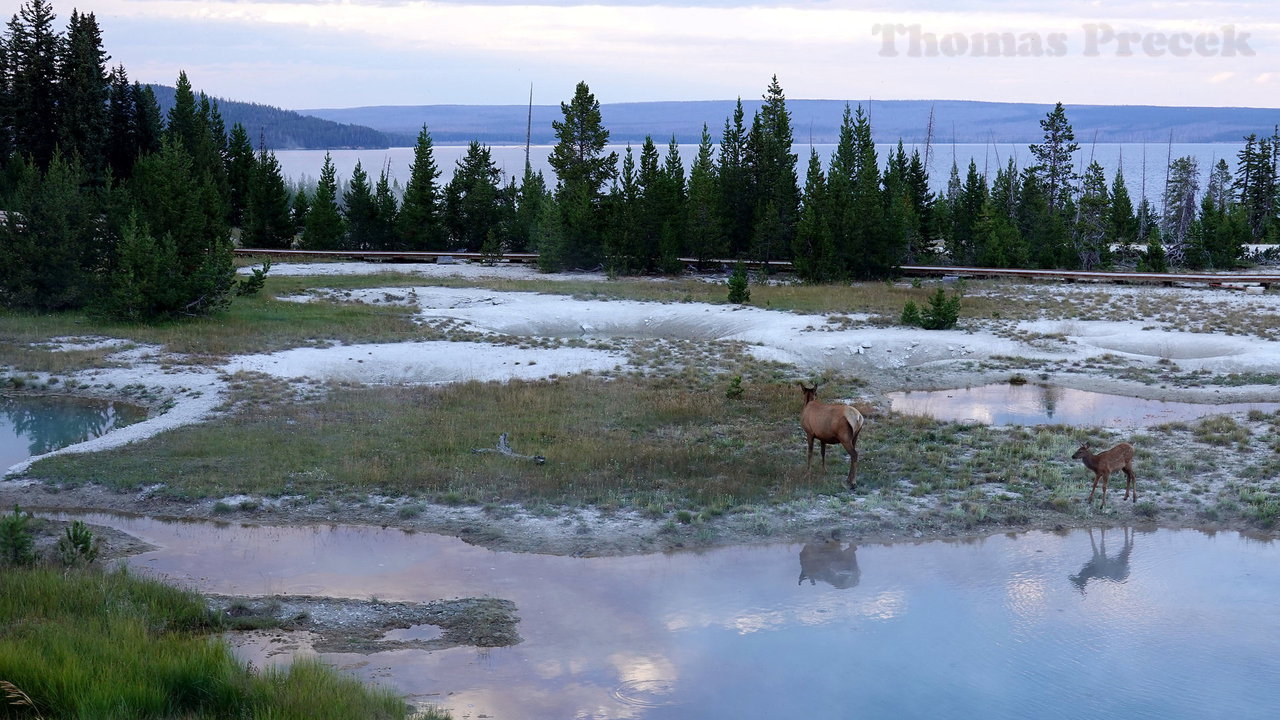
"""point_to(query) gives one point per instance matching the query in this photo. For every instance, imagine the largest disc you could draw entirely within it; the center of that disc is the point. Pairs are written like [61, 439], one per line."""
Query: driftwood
[504, 448]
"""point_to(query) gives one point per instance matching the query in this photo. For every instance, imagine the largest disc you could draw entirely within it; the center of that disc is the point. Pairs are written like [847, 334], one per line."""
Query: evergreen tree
[1180, 203]
[299, 209]
[652, 207]
[185, 125]
[530, 199]
[1153, 258]
[581, 169]
[240, 169]
[382, 232]
[968, 206]
[735, 199]
[1122, 224]
[325, 228]
[267, 221]
[34, 52]
[998, 242]
[472, 204]
[1092, 216]
[1045, 232]
[148, 122]
[1054, 163]
[813, 252]
[704, 230]
[772, 168]
[122, 130]
[359, 211]
[626, 238]
[1257, 185]
[673, 200]
[183, 211]
[52, 239]
[82, 95]
[420, 222]
[903, 236]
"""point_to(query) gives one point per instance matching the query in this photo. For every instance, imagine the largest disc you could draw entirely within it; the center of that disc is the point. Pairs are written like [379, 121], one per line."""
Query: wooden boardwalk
[1235, 280]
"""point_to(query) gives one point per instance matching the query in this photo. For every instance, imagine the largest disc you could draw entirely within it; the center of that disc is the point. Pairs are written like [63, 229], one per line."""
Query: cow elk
[830, 423]
[1104, 463]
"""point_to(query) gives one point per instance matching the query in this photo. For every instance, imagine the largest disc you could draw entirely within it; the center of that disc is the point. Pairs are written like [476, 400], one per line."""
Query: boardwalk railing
[1218, 279]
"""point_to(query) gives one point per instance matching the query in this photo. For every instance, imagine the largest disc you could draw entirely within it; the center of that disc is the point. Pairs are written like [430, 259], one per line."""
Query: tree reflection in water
[49, 423]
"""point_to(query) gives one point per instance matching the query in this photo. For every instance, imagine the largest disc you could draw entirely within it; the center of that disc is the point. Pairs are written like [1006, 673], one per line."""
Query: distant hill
[287, 130]
[819, 121]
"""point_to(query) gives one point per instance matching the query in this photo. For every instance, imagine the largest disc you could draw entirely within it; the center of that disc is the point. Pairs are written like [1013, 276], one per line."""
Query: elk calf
[1104, 463]
[830, 423]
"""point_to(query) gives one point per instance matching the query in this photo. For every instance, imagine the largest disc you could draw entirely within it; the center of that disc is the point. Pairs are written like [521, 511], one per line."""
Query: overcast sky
[346, 53]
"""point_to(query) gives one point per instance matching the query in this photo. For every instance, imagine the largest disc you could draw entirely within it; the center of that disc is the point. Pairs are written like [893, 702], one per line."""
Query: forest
[112, 206]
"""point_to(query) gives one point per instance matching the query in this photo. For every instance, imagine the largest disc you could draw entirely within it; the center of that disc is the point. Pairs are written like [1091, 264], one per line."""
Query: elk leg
[809, 462]
[823, 444]
[1096, 478]
[1105, 480]
[1130, 481]
[853, 468]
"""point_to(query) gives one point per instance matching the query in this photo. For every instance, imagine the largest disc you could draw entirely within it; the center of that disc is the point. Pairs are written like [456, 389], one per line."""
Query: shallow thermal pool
[1005, 404]
[39, 424]
[1083, 624]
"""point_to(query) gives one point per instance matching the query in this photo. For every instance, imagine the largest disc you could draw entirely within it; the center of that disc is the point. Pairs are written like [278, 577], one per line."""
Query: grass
[106, 645]
[687, 451]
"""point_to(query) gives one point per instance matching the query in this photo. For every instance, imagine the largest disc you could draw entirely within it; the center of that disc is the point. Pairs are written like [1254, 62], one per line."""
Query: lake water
[305, 164]
[36, 425]
[1006, 404]
[1083, 624]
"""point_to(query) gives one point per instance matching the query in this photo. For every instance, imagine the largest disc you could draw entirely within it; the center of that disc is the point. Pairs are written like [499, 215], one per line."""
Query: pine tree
[736, 200]
[626, 237]
[359, 211]
[148, 122]
[1093, 213]
[704, 233]
[472, 204]
[420, 222]
[1258, 186]
[184, 210]
[325, 228]
[240, 166]
[674, 201]
[52, 240]
[267, 218]
[185, 125]
[998, 241]
[582, 168]
[813, 251]
[964, 247]
[82, 95]
[34, 52]
[299, 209]
[382, 235]
[1054, 163]
[531, 197]
[122, 130]
[1122, 224]
[1180, 203]
[772, 168]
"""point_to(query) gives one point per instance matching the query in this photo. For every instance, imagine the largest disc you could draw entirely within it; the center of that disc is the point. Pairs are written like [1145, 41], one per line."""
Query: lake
[305, 165]
[1166, 624]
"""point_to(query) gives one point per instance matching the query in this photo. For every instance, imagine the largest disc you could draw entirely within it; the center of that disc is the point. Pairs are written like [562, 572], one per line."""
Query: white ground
[892, 357]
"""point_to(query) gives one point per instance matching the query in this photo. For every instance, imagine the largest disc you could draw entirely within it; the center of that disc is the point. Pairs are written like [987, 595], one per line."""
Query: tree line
[107, 204]
[113, 206]
[855, 216]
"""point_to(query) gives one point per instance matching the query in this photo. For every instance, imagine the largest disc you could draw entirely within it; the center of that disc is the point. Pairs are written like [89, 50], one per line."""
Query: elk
[830, 423]
[1104, 463]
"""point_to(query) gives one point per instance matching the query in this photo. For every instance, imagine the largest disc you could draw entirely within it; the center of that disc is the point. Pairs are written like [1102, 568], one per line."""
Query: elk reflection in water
[830, 561]
[1102, 566]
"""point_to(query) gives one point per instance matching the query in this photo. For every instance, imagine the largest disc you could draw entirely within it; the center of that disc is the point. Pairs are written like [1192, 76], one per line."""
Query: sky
[348, 53]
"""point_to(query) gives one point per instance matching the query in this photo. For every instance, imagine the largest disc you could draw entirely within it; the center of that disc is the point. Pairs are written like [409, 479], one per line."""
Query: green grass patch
[107, 645]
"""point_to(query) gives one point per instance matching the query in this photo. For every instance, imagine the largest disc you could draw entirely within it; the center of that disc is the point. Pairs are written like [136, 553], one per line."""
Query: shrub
[911, 314]
[252, 284]
[77, 545]
[942, 313]
[738, 291]
[17, 546]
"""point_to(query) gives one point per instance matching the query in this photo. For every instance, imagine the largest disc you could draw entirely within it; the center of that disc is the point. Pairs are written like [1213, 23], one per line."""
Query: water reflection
[831, 562]
[1005, 404]
[1102, 566]
[935, 629]
[36, 425]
